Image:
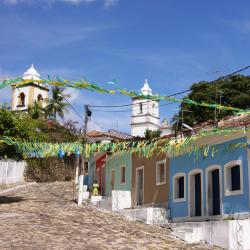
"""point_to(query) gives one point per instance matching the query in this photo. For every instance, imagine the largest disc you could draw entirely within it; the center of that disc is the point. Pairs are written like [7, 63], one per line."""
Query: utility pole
[220, 98]
[87, 115]
[215, 110]
[182, 119]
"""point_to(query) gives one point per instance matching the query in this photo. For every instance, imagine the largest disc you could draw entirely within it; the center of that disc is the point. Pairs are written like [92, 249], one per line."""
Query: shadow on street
[10, 199]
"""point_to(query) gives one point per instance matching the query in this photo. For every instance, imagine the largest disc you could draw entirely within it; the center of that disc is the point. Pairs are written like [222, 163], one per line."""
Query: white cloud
[14, 2]
[10, 1]
[107, 3]
[110, 3]
[99, 120]
[5, 95]
[240, 25]
[244, 26]
[52, 36]
[76, 2]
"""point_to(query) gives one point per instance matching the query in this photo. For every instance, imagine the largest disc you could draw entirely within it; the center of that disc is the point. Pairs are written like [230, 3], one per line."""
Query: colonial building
[150, 180]
[25, 96]
[215, 184]
[145, 113]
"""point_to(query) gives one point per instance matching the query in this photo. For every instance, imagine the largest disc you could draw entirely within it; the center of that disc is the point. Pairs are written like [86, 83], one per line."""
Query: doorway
[112, 181]
[195, 193]
[140, 186]
[213, 191]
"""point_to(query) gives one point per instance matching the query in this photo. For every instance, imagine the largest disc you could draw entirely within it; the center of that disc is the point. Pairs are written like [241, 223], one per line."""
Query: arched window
[21, 99]
[40, 100]
[141, 107]
[153, 109]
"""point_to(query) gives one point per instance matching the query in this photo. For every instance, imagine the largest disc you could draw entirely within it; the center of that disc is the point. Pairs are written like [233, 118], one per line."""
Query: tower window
[153, 109]
[21, 100]
[40, 100]
[140, 107]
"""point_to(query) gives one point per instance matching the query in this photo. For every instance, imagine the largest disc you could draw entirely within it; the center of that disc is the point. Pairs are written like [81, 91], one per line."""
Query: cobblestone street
[43, 216]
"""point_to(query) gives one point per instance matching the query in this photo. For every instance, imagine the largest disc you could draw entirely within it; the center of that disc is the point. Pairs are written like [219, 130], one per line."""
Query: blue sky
[173, 43]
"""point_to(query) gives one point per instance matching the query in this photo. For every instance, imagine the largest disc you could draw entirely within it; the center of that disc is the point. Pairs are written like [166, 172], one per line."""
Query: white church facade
[26, 95]
[145, 113]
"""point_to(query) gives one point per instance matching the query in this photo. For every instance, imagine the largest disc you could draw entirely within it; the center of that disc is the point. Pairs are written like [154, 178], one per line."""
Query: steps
[105, 203]
[148, 215]
[187, 233]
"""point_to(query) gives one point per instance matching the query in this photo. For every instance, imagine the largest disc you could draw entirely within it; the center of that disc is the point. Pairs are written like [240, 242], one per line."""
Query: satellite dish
[188, 127]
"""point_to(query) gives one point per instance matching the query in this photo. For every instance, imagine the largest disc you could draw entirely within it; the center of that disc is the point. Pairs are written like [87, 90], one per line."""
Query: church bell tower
[145, 113]
[24, 96]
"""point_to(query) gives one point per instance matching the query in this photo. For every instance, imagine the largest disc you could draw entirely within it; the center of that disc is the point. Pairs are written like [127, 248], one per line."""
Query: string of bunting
[84, 84]
[144, 148]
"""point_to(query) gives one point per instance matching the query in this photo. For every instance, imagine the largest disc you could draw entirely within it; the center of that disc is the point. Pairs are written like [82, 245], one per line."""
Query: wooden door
[112, 182]
[140, 186]
[198, 194]
[216, 191]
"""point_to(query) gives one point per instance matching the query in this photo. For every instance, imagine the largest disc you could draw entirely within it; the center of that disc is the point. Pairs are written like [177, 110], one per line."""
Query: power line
[111, 111]
[127, 110]
[178, 93]
[117, 106]
[132, 104]
[72, 107]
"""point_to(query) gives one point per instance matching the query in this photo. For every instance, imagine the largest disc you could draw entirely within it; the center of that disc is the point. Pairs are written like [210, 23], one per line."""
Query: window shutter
[181, 187]
[235, 177]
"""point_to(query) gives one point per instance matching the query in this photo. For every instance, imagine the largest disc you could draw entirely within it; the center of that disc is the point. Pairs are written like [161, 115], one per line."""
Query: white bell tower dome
[145, 112]
[31, 74]
[146, 90]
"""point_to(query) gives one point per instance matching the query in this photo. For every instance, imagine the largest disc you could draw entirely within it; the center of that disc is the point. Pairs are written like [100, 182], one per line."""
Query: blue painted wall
[187, 162]
[115, 163]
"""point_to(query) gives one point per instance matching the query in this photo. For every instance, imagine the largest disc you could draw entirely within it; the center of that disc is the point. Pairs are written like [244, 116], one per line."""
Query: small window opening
[123, 174]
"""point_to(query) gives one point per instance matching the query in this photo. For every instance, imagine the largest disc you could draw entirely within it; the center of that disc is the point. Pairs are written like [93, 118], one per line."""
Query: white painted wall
[231, 234]
[26, 92]
[148, 107]
[120, 200]
[239, 232]
[149, 215]
[147, 119]
[42, 92]
[11, 171]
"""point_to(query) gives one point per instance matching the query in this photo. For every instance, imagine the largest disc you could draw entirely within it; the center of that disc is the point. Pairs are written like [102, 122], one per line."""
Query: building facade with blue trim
[212, 186]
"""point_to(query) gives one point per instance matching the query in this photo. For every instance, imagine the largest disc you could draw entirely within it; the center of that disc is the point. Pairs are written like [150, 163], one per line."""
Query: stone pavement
[43, 216]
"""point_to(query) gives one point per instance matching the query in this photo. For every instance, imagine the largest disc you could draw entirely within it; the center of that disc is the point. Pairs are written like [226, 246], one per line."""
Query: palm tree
[56, 104]
[36, 111]
[151, 134]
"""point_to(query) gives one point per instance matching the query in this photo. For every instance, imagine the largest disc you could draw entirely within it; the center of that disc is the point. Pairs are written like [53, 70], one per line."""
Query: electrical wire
[132, 104]
[127, 110]
[73, 108]
[174, 94]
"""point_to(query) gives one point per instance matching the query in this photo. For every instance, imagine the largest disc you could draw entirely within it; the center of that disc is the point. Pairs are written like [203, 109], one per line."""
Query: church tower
[25, 96]
[145, 113]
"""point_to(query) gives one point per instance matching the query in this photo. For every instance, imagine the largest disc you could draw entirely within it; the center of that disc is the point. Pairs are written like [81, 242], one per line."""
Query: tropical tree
[19, 126]
[233, 91]
[56, 105]
[36, 111]
[150, 134]
[73, 127]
